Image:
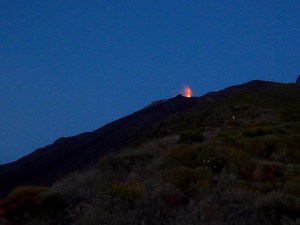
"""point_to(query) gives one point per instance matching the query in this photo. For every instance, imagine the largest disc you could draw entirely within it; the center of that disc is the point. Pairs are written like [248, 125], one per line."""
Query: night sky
[68, 67]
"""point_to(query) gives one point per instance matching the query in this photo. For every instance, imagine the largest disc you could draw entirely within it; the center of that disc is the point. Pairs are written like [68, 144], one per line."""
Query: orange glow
[187, 92]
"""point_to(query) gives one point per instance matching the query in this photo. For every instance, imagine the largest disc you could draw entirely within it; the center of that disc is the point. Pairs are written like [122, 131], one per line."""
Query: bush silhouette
[129, 192]
[52, 202]
[22, 204]
[276, 204]
[191, 136]
[185, 178]
[267, 171]
[258, 131]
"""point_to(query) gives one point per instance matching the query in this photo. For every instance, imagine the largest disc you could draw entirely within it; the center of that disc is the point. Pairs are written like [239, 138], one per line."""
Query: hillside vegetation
[234, 161]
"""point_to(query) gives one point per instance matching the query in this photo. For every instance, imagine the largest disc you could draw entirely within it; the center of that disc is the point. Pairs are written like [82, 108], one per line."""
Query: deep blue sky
[67, 67]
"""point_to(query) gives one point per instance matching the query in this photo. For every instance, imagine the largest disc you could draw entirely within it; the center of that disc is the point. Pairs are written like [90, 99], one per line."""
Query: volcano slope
[228, 157]
[66, 155]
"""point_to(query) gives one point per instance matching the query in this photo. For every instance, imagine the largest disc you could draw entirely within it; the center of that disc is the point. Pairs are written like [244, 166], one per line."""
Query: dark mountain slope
[252, 100]
[250, 103]
[265, 89]
[66, 155]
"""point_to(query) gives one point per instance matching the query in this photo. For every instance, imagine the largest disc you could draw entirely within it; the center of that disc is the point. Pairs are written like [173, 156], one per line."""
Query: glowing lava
[187, 92]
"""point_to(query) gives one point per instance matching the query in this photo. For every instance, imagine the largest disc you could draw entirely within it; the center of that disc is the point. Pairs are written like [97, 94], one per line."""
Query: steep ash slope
[65, 155]
[167, 117]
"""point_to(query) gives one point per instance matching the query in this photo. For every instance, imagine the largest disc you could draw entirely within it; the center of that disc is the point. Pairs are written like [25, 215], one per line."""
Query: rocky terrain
[228, 157]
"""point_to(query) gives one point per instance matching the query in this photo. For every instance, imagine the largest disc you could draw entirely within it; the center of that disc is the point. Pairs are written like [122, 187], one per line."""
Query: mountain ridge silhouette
[66, 155]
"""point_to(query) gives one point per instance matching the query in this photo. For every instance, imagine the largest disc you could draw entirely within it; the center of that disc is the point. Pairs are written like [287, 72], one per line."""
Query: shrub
[291, 172]
[292, 148]
[268, 171]
[187, 179]
[130, 192]
[235, 206]
[22, 203]
[261, 147]
[119, 166]
[181, 155]
[257, 131]
[115, 163]
[293, 186]
[79, 186]
[273, 206]
[191, 136]
[212, 157]
[52, 202]
[91, 216]
[239, 163]
[229, 138]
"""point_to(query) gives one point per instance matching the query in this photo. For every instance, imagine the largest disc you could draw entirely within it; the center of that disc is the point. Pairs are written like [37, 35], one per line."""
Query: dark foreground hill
[66, 155]
[228, 157]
